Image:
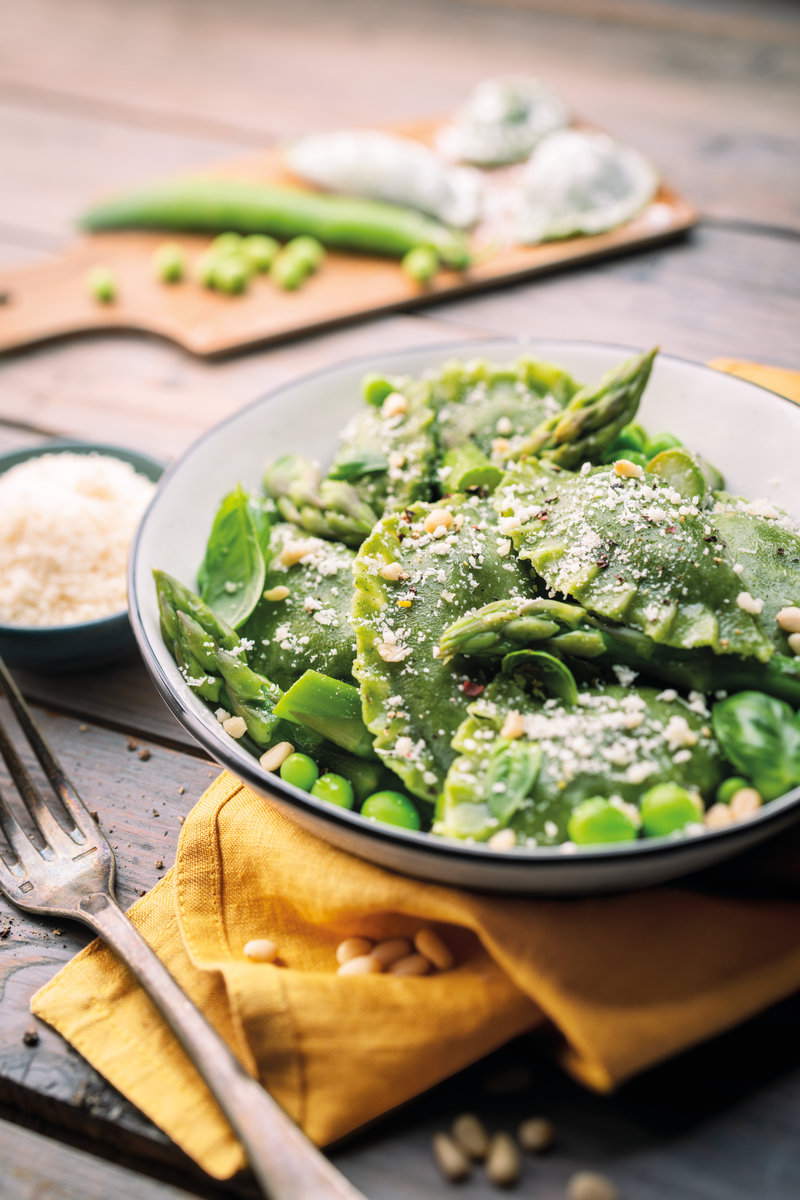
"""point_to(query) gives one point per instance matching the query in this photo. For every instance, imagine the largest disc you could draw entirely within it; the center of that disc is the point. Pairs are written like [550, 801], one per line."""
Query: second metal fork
[74, 877]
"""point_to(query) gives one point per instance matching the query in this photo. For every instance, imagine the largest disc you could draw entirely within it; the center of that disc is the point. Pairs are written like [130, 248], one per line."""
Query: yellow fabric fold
[628, 980]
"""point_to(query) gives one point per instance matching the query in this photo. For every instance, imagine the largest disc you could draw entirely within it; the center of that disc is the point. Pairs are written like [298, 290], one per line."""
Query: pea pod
[761, 737]
[227, 204]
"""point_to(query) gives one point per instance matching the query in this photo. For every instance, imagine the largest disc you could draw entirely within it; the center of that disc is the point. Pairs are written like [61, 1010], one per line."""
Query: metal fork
[74, 877]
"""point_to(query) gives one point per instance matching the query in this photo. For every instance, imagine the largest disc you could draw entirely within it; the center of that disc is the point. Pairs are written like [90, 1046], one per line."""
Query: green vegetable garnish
[668, 808]
[335, 790]
[391, 808]
[761, 737]
[102, 284]
[169, 263]
[301, 771]
[597, 820]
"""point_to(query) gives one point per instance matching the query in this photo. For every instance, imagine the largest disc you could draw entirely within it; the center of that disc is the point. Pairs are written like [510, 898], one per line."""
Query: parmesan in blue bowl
[70, 511]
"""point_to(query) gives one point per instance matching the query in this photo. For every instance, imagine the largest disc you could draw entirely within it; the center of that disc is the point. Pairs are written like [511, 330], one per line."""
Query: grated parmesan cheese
[67, 523]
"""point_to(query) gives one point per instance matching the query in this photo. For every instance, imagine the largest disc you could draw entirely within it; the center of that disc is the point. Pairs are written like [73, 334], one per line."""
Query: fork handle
[287, 1165]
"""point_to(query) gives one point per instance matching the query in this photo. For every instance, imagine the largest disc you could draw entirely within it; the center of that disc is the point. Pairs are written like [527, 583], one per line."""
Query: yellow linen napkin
[775, 379]
[628, 980]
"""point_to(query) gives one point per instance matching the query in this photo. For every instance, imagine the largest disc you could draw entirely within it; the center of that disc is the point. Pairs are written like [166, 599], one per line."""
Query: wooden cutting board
[51, 300]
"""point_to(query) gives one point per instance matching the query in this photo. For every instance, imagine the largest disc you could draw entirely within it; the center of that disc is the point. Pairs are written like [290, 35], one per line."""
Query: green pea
[102, 284]
[308, 250]
[667, 807]
[597, 820]
[169, 262]
[375, 389]
[729, 787]
[300, 770]
[421, 264]
[288, 271]
[391, 808]
[231, 274]
[260, 250]
[227, 243]
[335, 789]
[659, 442]
[205, 267]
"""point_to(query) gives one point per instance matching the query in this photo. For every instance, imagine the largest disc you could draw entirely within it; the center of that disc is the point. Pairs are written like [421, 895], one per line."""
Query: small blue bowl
[54, 648]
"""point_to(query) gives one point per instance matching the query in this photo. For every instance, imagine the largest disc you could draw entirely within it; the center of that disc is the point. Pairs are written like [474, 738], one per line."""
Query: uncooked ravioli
[581, 182]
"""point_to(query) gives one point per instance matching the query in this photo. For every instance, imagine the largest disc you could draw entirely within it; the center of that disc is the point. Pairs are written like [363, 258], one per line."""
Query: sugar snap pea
[231, 205]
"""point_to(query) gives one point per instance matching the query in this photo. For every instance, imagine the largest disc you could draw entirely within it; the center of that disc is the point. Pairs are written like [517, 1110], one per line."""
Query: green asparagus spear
[173, 598]
[207, 686]
[252, 696]
[330, 708]
[466, 467]
[594, 417]
[329, 508]
[506, 625]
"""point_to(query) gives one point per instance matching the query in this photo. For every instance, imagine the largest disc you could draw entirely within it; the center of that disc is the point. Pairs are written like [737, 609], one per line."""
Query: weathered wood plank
[716, 289]
[120, 696]
[36, 1168]
[148, 395]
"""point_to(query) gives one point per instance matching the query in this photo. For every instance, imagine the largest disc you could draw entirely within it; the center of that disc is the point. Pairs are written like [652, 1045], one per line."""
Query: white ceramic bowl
[752, 435]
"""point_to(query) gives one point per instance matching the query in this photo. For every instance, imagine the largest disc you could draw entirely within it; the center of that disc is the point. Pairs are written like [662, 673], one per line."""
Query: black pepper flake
[602, 562]
[132, 745]
[408, 515]
[30, 1037]
[144, 754]
[711, 537]
[781, 550]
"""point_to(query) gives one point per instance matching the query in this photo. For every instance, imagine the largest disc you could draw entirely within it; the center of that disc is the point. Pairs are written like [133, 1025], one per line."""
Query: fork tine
[49, 827]
[17, 838]
[49, 763]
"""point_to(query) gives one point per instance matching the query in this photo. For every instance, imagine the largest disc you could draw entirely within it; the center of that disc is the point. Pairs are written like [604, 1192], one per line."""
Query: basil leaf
[512, 773]
[231, 578]
[761, 737]
[354, 463]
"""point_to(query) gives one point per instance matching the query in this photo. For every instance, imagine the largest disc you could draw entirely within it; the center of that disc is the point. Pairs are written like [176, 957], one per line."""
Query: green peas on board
[421, 264]
[335, 789]
[667, 808]
[169, 262]
[729, 787]
[391, 808]
[231, 274]
[261, 250]
[659, 442]
[308, 250]
[288, 271]
[102, 284]
[598, 820]
[227, 243]
[300, 770]
[205, 267]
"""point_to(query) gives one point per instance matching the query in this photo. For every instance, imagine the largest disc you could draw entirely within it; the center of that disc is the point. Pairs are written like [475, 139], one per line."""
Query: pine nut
[719, 816]
[513, 726]
[789, 619]
[500, 447]
[393, 572]
[450, 1158]
[394, 404]
[277, 593]
[503, 1161]
[588, 1185]
[412, 964]
[536, 1135]
[504, 426]
[439, 516]
[393, 948]
[391, 652]
[293, 552]
[745, 803]
[430, 946]
[362, 964]
[353, 947]
[261, 950]
[504, 839]
[471, 1136]
[235, 726]
[274, 758]
[794, 644]
[628, 470]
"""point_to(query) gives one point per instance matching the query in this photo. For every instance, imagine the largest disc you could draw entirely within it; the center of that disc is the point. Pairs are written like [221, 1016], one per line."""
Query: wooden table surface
[98, 93]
